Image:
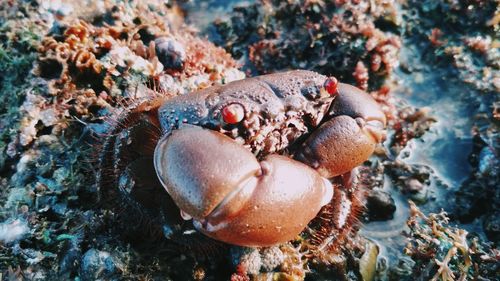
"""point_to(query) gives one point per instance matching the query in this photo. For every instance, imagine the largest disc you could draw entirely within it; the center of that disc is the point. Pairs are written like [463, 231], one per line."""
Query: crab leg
[233, 197]
[356, 125]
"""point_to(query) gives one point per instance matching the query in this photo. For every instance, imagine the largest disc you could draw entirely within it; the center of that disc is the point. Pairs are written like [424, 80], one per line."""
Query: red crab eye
[331, 85]
[233, 113]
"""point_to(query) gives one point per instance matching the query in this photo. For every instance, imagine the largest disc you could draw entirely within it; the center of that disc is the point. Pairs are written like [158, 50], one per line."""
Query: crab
[250, 163]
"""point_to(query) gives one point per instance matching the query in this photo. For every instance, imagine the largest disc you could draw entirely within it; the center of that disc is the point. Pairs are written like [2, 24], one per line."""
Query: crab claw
[231, 196]
[355, 126]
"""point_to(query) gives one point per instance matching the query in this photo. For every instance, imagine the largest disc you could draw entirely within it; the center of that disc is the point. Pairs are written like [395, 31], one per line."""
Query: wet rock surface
[65, 70]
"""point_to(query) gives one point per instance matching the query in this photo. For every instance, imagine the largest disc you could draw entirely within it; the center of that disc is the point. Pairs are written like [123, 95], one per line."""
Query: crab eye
[331, 86]
[233, 113]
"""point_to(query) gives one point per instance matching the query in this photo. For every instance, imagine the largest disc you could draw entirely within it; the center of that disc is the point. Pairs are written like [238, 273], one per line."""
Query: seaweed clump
[442, 252]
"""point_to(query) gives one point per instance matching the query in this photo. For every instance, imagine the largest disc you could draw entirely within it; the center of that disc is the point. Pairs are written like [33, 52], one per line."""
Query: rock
[251, 261]
[403, 270]
[97, 264]
[380, 205]
[271, 258]
[170, 53]
[17, 196]
[60, 208]
[416, 189]
[3, 157]
[413, 186]
[168, 84]
[12, 231]
[491, 226]
[255, 261]
[70, 254]
[488, 162]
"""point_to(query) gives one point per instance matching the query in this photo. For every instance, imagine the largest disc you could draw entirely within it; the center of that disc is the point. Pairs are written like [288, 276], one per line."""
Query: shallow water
[447, 145]
[445, 148]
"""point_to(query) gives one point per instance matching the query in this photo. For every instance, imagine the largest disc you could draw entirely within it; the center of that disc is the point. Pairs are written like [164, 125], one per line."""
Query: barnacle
[84, 59]
[78, 33]
[361, 75]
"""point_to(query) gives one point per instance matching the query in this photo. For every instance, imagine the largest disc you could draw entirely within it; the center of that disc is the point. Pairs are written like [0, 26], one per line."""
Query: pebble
[380, 205]
[97, 264]
[416, 189]
[170, 52]
[271, 258]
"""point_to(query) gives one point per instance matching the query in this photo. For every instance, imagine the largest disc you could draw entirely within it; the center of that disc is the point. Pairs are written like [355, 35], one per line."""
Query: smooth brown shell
[354, 102]
[337, 146]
